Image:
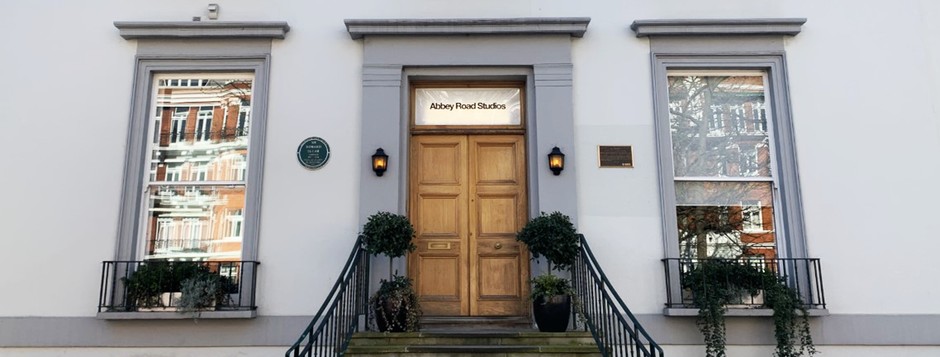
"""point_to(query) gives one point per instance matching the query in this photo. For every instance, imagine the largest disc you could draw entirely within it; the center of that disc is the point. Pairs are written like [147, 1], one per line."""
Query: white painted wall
[865, 87]
[673, 350]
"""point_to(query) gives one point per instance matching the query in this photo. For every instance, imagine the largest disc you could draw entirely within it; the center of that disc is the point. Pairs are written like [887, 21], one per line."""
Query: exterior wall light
[556, 161]
[379, 162]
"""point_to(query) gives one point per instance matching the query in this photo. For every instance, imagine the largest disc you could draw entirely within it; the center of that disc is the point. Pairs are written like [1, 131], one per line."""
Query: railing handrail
[317, 324]
[802, 274]
[614, 299]
[113, 294]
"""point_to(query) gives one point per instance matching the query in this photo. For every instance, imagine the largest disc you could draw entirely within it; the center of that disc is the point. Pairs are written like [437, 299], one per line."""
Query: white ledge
[130, 30]
[574, 26]
[700, 27]
[739, 312]
[173, 315]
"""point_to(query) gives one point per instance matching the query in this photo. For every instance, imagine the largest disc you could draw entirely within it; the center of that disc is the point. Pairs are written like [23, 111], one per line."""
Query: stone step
[473, 343]
[503, 338]
[474, 350]
[499, 323]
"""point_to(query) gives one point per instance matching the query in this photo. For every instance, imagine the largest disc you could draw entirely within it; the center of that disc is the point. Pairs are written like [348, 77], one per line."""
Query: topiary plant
[389, 234]
[395, 304]
[553, 236]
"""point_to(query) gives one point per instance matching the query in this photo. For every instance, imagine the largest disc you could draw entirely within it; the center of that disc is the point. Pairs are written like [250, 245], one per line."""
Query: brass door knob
[498, 246]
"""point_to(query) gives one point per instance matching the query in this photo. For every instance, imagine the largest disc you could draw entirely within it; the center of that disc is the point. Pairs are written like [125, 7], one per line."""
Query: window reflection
[196, 195]
[722, 165]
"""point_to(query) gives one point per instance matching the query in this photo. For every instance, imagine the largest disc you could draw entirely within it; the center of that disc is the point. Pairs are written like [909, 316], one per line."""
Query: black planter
[391, 315]
[552, 314]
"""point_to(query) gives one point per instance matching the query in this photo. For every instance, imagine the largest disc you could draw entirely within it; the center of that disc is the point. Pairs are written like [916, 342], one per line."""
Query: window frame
[788, 218]
[131, 240]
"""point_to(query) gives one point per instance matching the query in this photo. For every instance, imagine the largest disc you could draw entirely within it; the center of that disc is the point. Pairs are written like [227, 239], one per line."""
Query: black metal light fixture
[379, 162]
[556, 161]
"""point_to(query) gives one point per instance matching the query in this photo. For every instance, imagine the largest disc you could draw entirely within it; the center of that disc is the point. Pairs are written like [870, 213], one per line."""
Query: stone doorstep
[531, 338]
[472, 343]
[473, 349]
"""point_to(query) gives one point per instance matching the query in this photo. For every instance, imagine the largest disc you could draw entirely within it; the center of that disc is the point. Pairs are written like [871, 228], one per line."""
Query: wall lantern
[556, 161]
[379, 162]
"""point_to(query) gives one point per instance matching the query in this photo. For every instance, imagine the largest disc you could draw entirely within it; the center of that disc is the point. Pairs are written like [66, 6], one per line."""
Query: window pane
[719, 126]
[201, 141]
[725, 219]
[195, 222]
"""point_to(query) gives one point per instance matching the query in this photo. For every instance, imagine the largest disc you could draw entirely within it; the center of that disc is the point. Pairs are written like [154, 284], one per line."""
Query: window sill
[173, 315]
[738, 312]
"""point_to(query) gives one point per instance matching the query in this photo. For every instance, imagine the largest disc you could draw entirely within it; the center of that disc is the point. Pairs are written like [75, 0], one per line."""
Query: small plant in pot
[554, 237]
[395, 304]
[146, 285]
[204, 290]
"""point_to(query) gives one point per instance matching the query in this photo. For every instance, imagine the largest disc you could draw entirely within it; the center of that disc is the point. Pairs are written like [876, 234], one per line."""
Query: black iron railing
[616, 331]
[331, 329]
[804, 275]
[236, 279]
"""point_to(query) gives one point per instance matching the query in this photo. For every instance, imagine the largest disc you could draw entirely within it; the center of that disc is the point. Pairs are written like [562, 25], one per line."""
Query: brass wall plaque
[615, 156]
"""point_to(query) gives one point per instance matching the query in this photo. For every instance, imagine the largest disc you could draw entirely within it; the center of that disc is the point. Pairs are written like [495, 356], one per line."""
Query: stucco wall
[865, 90]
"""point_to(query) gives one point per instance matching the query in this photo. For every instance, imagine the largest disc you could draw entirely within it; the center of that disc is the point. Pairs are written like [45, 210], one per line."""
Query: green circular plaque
[313, 152]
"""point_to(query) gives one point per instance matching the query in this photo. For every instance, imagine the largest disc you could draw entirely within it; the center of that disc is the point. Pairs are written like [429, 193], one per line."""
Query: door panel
[499, 271]
[439, 205]
[468, 201]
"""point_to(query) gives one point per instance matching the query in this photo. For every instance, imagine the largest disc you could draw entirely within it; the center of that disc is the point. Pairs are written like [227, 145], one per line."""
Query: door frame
[386, 109]
[470, 131]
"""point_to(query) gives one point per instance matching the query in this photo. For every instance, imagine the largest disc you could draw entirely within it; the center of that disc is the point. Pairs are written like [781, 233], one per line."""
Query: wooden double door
[468, 200]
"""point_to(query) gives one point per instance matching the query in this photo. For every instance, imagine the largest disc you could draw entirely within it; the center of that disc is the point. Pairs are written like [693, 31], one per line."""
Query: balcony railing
[115, 294]
[804, 275]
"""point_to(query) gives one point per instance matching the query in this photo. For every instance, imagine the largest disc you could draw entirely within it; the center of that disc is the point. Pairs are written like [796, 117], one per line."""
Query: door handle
[498, 246]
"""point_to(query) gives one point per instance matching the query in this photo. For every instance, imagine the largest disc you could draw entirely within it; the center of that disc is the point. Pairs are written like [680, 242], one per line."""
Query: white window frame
[788, 220]
[132, 239]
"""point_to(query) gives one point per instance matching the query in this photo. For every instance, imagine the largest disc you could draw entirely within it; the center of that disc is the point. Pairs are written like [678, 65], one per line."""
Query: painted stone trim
[834, 330]
[131, 30]
[697, 27]
[574, 26]
[739, 312]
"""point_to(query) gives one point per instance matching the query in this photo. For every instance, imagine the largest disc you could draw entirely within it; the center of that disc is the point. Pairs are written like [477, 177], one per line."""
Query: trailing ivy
[714, 284]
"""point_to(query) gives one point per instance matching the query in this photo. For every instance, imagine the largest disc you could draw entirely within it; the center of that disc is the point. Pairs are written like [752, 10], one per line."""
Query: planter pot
[169, 301]
[552, 314]
[391, 316]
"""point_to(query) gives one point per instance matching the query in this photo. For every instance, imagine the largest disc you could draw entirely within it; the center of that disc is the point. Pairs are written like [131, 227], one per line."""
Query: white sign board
[467, 106]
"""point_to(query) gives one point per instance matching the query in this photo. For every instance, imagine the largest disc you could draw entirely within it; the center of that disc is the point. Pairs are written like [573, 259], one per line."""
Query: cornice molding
[134, 30]
[574, 26]
[706, 27]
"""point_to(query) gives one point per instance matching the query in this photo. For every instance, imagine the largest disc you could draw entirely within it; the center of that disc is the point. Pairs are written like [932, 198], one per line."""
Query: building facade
[239, 135]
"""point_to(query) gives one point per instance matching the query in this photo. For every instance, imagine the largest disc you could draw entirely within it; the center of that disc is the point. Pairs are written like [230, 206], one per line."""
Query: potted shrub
[554, 237]
[716, 284]
[146, 286]
[162, 286]
[204, 290]
[395, 304]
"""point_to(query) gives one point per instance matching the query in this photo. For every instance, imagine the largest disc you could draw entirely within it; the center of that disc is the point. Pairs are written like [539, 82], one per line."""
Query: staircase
[473, 336]
[613, 328]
